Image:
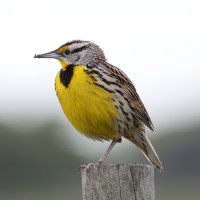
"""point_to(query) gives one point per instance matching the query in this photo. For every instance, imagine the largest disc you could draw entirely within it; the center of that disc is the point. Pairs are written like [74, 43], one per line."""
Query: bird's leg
[104, 156]
[100, 162]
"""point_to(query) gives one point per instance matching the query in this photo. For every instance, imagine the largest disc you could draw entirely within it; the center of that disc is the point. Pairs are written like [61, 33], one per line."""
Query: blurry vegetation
[179, 151]
[35, 166]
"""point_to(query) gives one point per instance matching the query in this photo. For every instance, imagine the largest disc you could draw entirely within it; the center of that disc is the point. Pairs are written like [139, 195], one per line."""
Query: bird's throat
[63, 63]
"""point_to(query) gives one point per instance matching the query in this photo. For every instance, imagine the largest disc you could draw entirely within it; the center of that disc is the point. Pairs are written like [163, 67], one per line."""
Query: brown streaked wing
[130, 91]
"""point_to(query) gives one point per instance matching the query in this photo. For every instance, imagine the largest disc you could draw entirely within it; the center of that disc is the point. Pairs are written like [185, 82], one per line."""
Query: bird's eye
[67, 52]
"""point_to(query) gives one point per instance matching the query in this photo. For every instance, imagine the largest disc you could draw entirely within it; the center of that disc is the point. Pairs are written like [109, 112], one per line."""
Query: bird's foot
[87, 167]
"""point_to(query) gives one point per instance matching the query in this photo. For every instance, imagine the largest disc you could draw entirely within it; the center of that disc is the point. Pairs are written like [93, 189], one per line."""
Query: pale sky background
[157, 43]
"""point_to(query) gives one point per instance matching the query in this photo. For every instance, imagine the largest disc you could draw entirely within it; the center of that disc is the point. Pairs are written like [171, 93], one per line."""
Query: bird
[99, 99]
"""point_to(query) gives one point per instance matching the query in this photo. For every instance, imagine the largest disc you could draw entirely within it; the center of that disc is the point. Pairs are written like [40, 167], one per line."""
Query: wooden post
[118, 182]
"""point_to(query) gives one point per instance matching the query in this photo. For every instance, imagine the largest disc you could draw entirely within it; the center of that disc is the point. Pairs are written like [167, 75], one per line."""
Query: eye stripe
[79, 49]
[73, 42]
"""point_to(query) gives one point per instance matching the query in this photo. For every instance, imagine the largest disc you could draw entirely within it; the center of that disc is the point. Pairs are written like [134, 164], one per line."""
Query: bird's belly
[88, 107]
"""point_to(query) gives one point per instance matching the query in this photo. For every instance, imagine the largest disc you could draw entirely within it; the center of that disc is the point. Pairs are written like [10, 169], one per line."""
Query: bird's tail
[142, 141]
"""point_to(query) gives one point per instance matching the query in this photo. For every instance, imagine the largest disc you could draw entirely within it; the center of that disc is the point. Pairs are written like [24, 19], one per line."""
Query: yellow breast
[88, 107]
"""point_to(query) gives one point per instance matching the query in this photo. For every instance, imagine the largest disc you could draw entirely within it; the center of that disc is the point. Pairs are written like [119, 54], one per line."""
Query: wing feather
[140, 111]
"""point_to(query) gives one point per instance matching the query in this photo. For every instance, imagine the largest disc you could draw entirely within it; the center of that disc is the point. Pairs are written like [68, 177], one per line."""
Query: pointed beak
[51, 54]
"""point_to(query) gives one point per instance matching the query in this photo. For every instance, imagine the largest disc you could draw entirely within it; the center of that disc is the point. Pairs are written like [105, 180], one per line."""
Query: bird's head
[76, 52]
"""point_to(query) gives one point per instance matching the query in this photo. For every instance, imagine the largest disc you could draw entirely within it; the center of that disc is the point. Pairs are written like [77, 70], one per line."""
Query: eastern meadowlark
[99, 99]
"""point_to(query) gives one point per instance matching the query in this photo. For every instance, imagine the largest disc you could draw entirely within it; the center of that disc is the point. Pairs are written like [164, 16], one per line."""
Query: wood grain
[118, 182]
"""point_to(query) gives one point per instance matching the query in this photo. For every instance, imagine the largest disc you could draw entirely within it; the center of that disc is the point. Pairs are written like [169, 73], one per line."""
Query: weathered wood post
[118, 182]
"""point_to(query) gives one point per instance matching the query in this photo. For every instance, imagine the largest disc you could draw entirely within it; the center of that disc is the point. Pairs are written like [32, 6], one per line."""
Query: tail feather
[151, 154]
[142, 141]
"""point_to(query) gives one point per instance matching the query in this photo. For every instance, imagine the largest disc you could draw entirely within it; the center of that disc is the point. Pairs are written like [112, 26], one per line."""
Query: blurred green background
[155, 42]
[34, 164]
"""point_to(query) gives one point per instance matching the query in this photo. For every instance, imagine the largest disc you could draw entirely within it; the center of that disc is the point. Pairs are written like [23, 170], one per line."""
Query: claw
[87, 167]
[114, 141]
